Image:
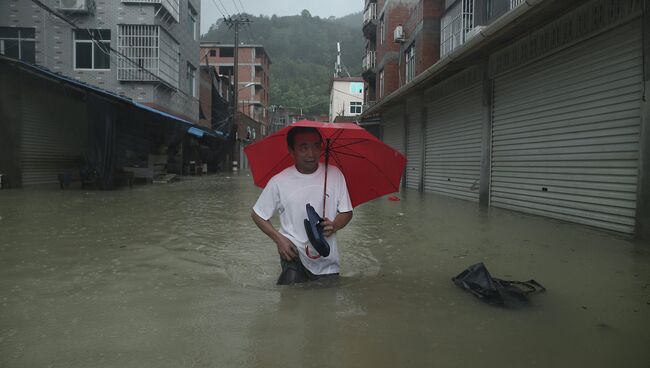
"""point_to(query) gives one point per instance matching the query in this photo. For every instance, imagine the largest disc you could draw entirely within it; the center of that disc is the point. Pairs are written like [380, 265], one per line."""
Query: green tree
[302, 49]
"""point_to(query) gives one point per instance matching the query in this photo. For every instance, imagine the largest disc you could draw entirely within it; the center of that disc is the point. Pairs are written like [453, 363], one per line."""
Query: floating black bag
[512, 294]
[315, 232]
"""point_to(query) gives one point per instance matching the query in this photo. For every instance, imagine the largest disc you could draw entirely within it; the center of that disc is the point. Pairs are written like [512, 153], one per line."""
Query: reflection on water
[178, 276]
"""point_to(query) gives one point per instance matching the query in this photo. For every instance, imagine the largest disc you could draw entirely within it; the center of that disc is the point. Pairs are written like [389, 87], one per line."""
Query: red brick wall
[247, 73]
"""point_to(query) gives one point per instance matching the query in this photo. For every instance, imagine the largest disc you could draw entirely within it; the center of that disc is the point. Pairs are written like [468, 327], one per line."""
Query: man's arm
[286, 249]
[341, 219]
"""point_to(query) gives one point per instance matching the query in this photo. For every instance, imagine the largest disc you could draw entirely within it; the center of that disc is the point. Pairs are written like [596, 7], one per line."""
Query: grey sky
[321, 8]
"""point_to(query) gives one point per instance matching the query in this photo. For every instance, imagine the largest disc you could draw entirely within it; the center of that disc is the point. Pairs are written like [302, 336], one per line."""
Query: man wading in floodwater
[287, 193]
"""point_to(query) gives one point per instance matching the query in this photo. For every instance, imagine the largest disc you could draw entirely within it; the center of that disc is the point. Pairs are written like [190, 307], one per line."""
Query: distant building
[253, 79]
[346, 97]
[157, 42]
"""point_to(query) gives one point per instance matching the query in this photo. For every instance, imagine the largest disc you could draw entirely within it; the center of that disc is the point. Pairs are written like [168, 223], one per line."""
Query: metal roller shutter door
[453, 145]
[393, 130]
[414, 149]
[566, 133]
[52, 138]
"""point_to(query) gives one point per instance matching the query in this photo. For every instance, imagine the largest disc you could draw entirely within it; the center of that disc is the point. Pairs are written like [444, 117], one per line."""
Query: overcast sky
[211, 10]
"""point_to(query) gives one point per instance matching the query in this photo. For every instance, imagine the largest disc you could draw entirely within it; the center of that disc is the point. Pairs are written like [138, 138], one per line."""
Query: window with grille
[92, 49]
[213, 52]
[455, 25]
[355, 108]
[148, 53]
[410, 63]
[18, 43]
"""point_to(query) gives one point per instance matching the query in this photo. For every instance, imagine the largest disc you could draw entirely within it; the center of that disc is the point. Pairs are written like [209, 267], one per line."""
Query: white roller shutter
[393, 129]
[53, 138]
[414, 147]
[566, 133]
[453, 144]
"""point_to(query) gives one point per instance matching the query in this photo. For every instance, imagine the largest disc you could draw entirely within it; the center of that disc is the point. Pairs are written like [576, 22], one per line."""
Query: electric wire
[75, 27]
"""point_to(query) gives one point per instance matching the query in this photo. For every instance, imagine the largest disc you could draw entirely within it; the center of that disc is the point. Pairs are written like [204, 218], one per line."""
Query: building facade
[540, 109]
[253, 76]
[346, 97]
[401, 41]
[141, 49]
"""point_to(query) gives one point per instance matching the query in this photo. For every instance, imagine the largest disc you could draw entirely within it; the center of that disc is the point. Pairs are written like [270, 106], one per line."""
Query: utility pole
[233, 22]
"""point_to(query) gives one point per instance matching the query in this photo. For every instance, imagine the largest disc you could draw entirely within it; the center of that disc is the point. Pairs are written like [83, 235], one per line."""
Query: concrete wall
[54, 46]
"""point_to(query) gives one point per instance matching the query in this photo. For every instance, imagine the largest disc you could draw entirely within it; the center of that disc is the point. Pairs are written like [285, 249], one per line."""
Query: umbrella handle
[327, 159]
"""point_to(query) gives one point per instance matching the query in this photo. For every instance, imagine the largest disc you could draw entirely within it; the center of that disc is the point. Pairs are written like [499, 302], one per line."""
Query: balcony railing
[516, 3]
[369, 60]
[370, 14]
[171, 6]
[152, 54]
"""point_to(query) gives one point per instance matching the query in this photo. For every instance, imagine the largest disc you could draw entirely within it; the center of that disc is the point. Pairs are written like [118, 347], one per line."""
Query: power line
[351, 95]
[75, 27]
[224, 8]
[242, 7]
[236, 8]
[218, 9]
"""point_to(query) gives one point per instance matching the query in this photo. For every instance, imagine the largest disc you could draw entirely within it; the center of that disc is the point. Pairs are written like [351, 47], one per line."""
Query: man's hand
[328, 227]
[286, 249]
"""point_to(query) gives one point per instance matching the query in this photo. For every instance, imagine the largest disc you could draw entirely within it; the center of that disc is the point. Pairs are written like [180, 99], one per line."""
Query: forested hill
[302, 49]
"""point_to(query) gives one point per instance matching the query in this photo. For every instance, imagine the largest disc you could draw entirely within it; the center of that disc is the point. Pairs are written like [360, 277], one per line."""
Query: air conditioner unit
[77, 6]
[398, 34]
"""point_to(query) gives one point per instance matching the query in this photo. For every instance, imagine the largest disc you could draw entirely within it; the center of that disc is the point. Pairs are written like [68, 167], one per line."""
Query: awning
[199, 132]
[38, 69]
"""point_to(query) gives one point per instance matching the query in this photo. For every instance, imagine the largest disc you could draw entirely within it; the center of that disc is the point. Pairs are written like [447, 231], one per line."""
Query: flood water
[177, 275]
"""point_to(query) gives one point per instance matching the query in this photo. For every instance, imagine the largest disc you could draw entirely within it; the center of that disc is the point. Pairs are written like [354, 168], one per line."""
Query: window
[382, 30]
[227, 52]
[18, 43]
[409, 55]
[226, 70]
[356, 87]
[191, 80]
[355, 108]
[191, 21]
[213, 52]
[92, 49]
[381, 83]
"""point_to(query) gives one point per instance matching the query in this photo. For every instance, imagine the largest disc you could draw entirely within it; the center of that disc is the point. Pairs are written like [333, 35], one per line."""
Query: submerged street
[177, 275]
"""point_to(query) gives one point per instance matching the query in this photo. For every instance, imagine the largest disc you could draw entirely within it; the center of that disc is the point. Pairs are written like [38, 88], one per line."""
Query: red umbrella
[371, 168]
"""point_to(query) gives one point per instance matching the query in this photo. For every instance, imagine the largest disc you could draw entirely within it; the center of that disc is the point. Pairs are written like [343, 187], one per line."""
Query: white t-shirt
[288, 192]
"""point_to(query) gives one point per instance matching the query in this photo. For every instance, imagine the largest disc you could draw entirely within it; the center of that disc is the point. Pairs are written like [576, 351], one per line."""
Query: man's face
[306, 152]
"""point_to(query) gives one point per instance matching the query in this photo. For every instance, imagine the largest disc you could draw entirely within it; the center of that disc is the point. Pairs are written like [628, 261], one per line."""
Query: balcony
[172, 7]
[370, 22]
[369, 61]
[368, 65]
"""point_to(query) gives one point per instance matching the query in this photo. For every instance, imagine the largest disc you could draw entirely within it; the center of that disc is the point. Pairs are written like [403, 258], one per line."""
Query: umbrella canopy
[370, 167]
